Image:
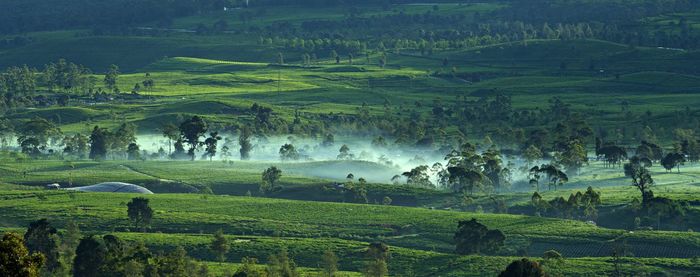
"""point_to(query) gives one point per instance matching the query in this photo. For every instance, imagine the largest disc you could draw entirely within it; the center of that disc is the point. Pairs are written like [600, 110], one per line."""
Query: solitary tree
[328, 140]
[139, 211]
[523, 268]
[15, 259]
[148, 83]
[220, 245]
[269, 179]
[179, 152]
[172, 133]
[280, 58]
[288, 152]
[650, 151]
[378, 257]
[345, 153]
[133, 151]
[473, 237]
[33, 135]
[672, 160]
[211, 144]
[111, 77]
[244, 141]
[637, 170]
[191, 131]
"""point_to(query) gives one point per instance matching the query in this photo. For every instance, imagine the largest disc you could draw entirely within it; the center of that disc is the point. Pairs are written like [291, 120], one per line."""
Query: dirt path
[132, 169]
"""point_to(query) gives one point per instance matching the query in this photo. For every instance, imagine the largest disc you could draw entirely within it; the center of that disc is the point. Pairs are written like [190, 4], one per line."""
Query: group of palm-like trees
[611, 155]
[554, 176]
[467, 170]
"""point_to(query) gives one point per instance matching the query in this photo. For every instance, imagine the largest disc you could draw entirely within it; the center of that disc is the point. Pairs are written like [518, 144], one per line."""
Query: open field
[365, 94]
[306, 228]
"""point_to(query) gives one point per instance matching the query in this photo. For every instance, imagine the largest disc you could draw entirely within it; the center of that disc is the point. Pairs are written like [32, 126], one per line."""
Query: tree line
[37, 15]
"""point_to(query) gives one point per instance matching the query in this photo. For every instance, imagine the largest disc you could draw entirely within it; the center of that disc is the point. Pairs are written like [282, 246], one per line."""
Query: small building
[54, 186]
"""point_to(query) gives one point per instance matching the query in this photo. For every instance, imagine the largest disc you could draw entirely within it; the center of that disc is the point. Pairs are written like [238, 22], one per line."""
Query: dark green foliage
[555, 176]
[288, 152]
[70, 239]
[172, 133]
[244, 141]
[579, 205]
[465, 169]
[269, 179]
[418, 177]
[133, 152]
[249, 268]
[281, 265]
[552, 255]
[672, 160]
[76, 146]
[611, 154]
[650, 151]
[329, 263]
[115, 256]
[220, 245]
[345, 153]
[573, 156]
[42, 238]
[98, 143]
[140, 212]
[377, 260]
[637, 170]
[110, 256]
[494, 170]
[111, 77]
[34, 135]
[191, 131]
[89, 257]
[179, 152]
[67, 76]
[523, 268]
[15, 259]
[473, 237]
[173, 264]
[211, 144]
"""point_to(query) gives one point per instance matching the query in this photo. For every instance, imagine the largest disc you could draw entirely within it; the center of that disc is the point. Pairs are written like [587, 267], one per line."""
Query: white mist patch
[375, 164]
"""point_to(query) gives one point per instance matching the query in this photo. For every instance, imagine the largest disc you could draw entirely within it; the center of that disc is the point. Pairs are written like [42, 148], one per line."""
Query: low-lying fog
[385, 161]
[379, 166]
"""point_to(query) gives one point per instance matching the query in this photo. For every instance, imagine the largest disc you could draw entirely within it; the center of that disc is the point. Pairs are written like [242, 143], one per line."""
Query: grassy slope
[307, 228]
[659, 81]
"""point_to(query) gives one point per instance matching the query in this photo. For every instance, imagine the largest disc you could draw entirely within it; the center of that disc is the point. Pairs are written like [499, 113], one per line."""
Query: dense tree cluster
[580, 205]
[20, 16]
[473, 237]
